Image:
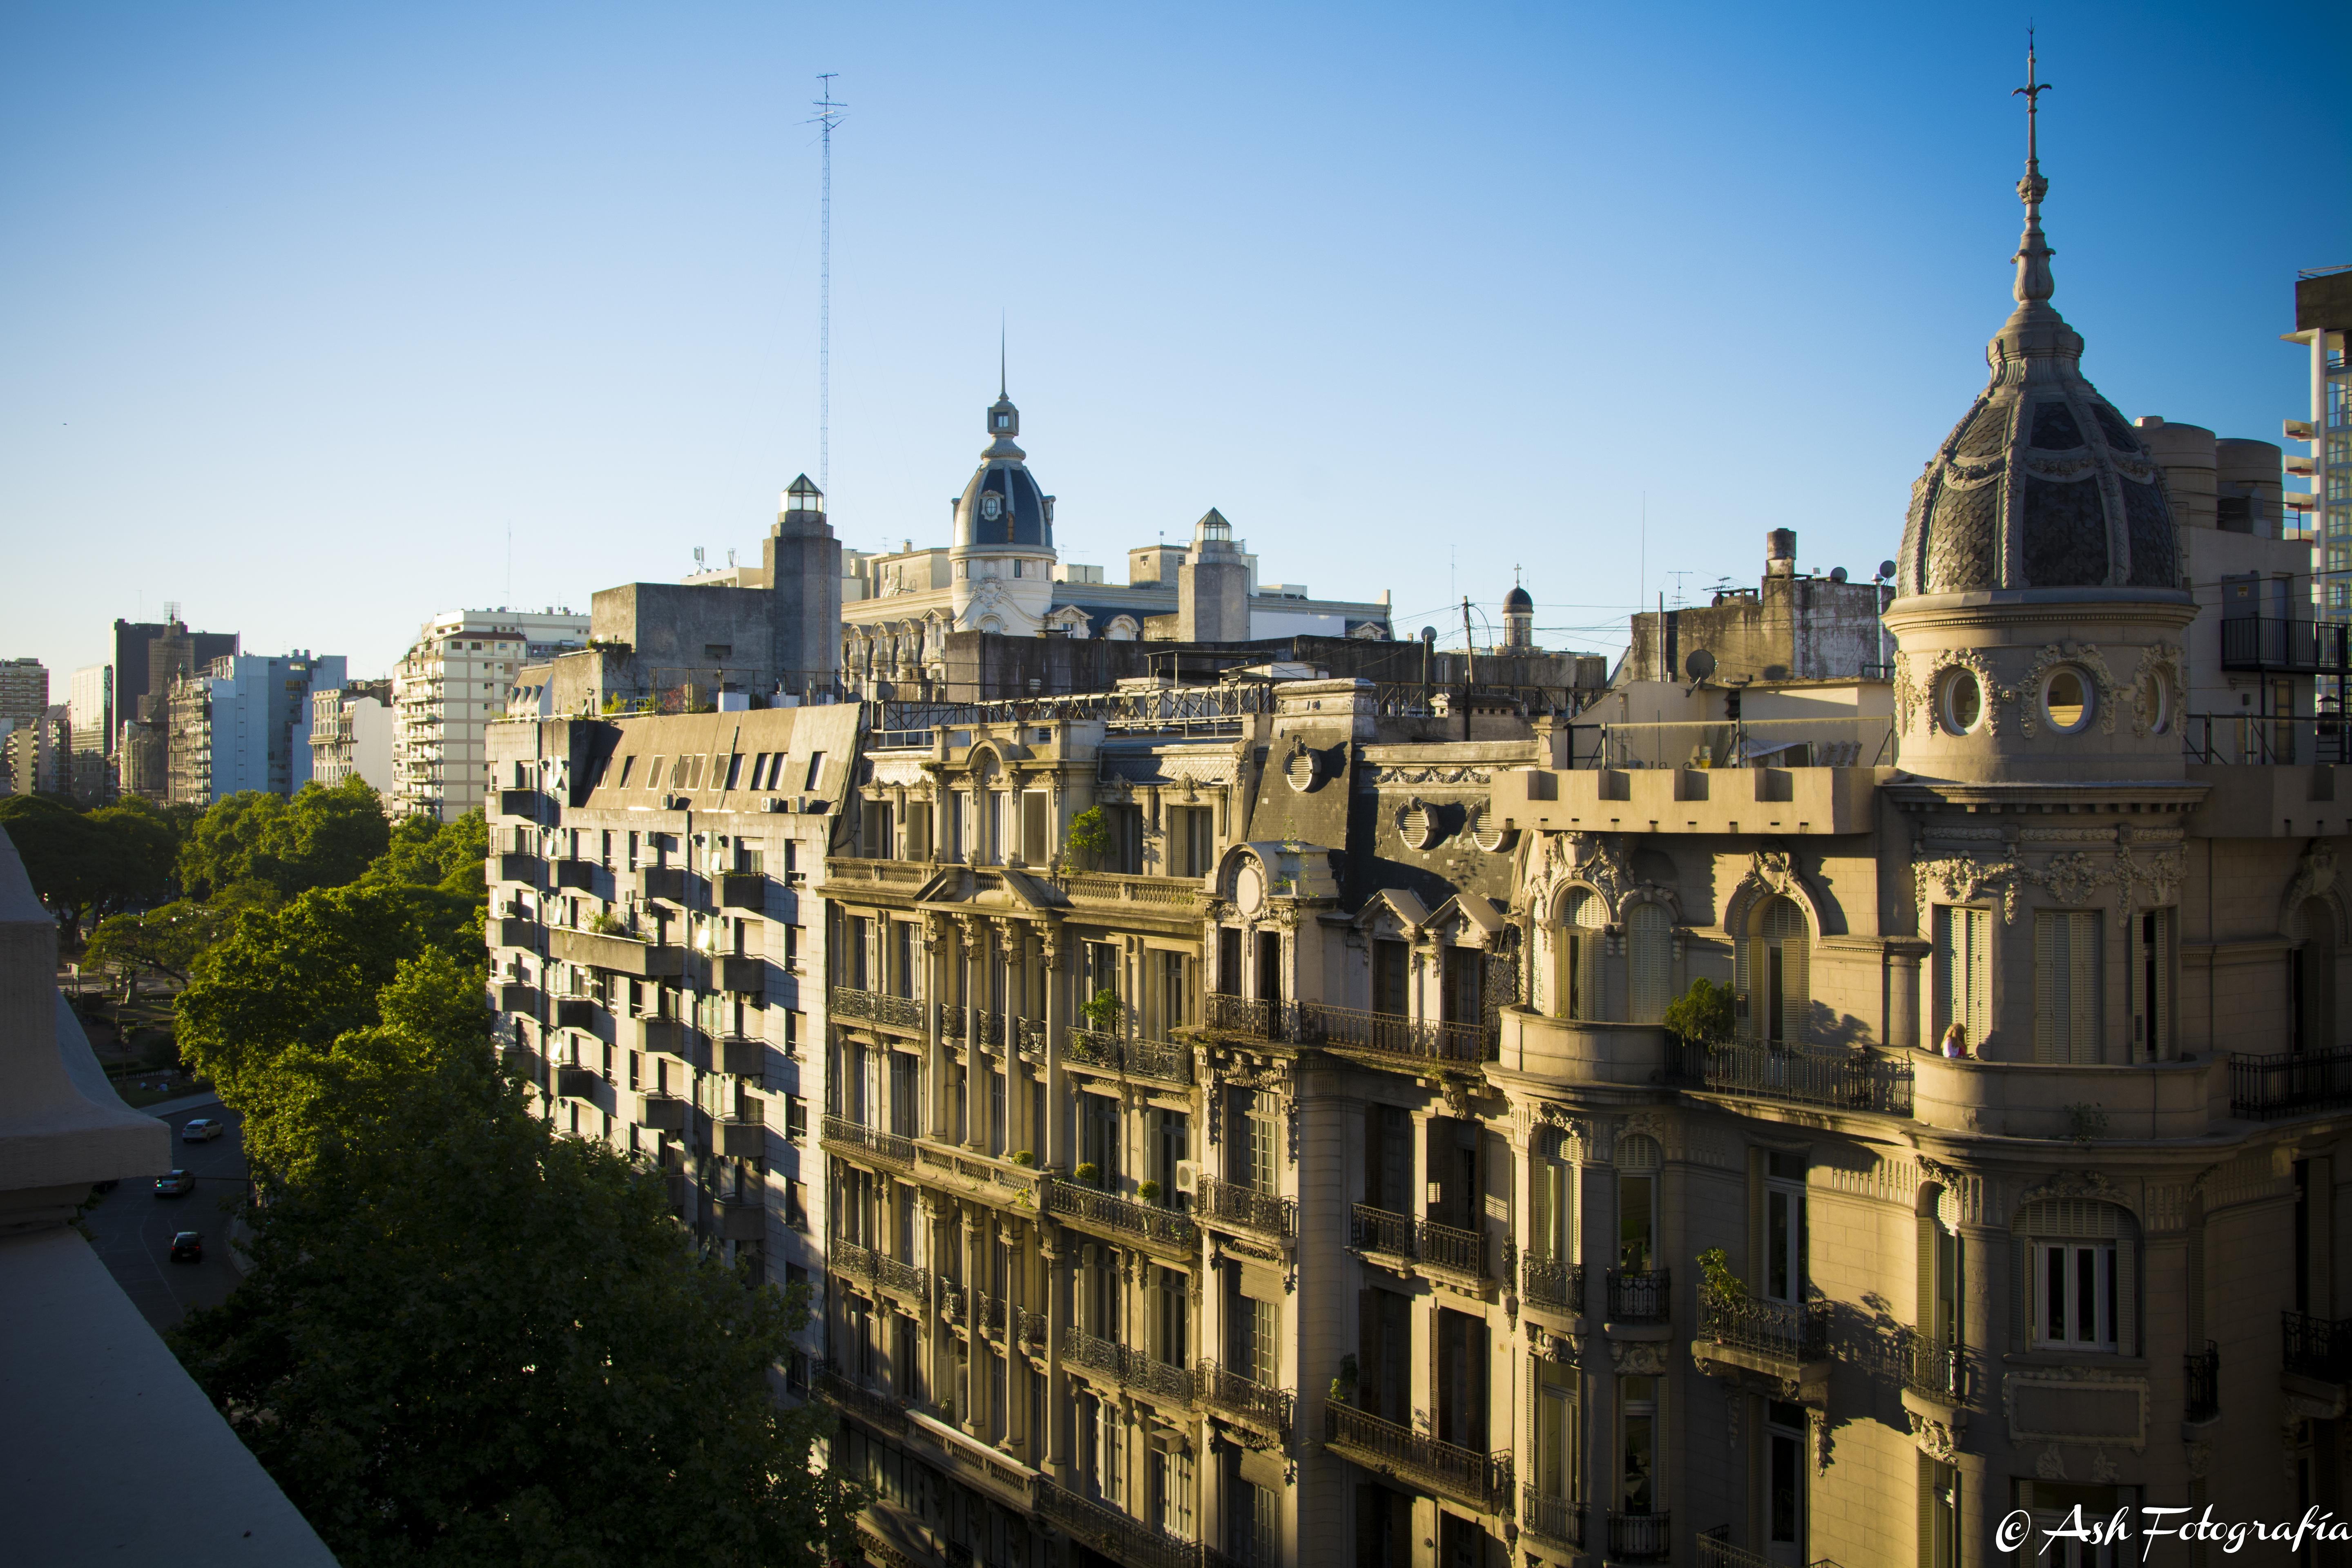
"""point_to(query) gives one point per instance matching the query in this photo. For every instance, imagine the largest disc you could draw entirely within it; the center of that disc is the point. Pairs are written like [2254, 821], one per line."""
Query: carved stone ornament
[2155, 686]
[1934, 1438]
[1461, 1096]
[2102, 1468]
[1638, 1358]
[2201, 1456]
[2074, 1185]
[2091, 661]
[2315, 874]
[2144, 879]
[1923, 693]
[2051, 1465]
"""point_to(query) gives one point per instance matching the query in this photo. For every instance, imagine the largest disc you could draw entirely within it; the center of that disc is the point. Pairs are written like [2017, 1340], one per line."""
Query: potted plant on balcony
[1149, 1192]
[1088, 842]
[1099, 1012]
[1088, 1174]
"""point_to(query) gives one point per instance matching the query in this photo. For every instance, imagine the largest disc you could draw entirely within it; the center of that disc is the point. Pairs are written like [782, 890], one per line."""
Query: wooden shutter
[1757, 1241]
[1796, 989]
[1748, 1020]
[1924, 1317]
[2083, 987]
[1649, 961]
[2020, 1292]
[2048, 1039]
[1924, 1505]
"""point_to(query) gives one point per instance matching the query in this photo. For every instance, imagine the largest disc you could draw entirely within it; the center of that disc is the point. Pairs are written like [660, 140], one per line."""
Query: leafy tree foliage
[434, 854]
[84, 865]
[466, 1339]
[166, 941]
[1701, 1015]
[320, 839]
[1090, 841]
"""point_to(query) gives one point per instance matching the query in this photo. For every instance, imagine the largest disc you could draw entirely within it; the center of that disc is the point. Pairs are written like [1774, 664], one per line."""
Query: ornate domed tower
[1519, 619]
[1003, 552]
[2040, 597]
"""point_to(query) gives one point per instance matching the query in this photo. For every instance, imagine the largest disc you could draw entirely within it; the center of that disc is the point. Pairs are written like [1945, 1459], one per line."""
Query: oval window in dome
[991, 506]
[2066, 701]
[1963, 701]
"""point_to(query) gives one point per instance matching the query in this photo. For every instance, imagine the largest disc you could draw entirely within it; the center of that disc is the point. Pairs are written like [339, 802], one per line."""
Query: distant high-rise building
[90, 710]
[350, 734]
[243, 724]
[148, 655]
[37, 753]
[454, 680]
[23, 689]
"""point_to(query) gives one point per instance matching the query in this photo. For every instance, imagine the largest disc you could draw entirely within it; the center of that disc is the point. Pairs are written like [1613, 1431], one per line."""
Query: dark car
[175, 1183]
[188, 1246]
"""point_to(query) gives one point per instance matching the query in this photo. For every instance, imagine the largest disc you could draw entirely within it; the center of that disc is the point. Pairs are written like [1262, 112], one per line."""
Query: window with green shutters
[2065, 985]
[1964, 971]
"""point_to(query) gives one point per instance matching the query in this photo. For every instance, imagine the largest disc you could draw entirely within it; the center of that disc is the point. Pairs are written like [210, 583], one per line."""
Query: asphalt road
[132, 1226]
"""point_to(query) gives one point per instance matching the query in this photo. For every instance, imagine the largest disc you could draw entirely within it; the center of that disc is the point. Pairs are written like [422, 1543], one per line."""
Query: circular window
[990, 506]
[2160, 704]
[1963, 701]
[2066, 701]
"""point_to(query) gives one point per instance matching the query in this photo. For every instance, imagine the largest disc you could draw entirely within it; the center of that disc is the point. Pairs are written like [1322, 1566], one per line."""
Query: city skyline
[356, 298]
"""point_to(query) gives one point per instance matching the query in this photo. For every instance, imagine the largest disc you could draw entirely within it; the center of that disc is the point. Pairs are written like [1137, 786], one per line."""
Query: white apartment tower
[451, 683]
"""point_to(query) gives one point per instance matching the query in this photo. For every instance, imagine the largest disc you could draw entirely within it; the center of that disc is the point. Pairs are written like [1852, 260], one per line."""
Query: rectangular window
[1637, 1426]
[816, 770]
[1784, 1480]
[1560, 1432]
[734, 770]
[654, 774]
[1036, 828]
[1392, 967]
[2065, 985]
[795, 1118]
[1964, 971]
[1784, 1241]
[1261, 1138]
[626, 764]
[2152, 986]
[2075, 1288]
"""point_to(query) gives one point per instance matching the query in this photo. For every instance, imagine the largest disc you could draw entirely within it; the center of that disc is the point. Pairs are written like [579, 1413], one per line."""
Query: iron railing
[846, 1136]
[1131, 1368]
[1787, 1330]
[1114, 1535]
[1642, 1536]
[1482, 1480]
[989, 1030]
[2204, 1382]
[1424, 1240]
[2256, 739]
[2268, 645]
[1242, 1016]
[1556, 1519]
[1029, 1039]
[1552, 1282]
[1824, 743]
[2317, 1347]
[952, 1022]
[1641, 1295]
[990, 1314]
[1029, 1328]
[1841, 1080]
[1088, 1207]
[1937, 1368]
[1231, 1392]
[2295, 1083]
[869, 1405]
[1388, 1034]
[1152, 1058]
[1231, 1202]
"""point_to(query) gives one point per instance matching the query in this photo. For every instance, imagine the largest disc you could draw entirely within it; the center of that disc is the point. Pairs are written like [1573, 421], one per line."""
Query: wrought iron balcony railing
[1350, 1029]
[1231, 1202]
[1090, 1207]
[2295, 1083]
[1836, 1079]
[1152, 1058]
[1129, 1367]
[1482, 1480]
[1642, 1536]
[845, 1136]
[2317, 1347]
[1231, 1392]
[1786, 1330]
[1937, 1368]
[1552, 1282]
[1423, 1240]
[1553, 1517]
[1641, 1295]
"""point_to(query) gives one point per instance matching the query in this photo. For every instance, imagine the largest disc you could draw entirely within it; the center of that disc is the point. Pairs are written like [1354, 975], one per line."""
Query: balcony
[616, 954]
[660, 1112]
[738, 1219]
[513, 866]
[743, 891]
[1423, 1241]
[580, 876]
[576, 1013]
[1481, 1481]
[2047, 1099]
[1129, 1367]
[1581, 1051]
[520, 1061]
[1783, 1342]
[1100, 1211]
[1029, 1327]
[512, 932]
[2204, 1382]
[1114, 1535]
[1239, 1207]
[739, 1138]
[842, 1136]
[870, 1406]
[1549, 1284]
[1832, 1079]
[2302, 1083]
[666, 1038]
[1171, 895]
[743, 974]
[1937, 1370]
[575, 1083]
[743, 1056]
[1642, 1536]
[2317, 1348]
[514, 997]
[1415, 1040]
[1641, 1295]
[1147, 1059]
[1233, 1394]
[666, 882]
[1552, 1518]
[1029, 1039]
[2266, 645]
[524, 802]
[988, 1031]
[878, 1007]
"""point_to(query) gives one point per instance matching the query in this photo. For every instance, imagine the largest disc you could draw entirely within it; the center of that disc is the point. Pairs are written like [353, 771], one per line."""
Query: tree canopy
[320, 839]
[86, 864]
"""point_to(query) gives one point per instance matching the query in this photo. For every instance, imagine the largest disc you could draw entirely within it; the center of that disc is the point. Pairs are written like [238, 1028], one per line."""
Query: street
[132, 1227]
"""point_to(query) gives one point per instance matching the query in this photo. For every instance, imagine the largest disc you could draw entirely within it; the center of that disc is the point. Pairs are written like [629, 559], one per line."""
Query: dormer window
[1004, 422]
[992, 507]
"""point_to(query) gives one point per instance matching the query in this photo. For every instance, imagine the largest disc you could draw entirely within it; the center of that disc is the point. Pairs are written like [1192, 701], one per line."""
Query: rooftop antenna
[1000, 354]
[2034, 286]
[171, 611]
[1678, 577]
[827, 116]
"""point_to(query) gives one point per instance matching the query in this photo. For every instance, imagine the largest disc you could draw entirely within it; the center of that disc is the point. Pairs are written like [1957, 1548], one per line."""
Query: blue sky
[303, 309]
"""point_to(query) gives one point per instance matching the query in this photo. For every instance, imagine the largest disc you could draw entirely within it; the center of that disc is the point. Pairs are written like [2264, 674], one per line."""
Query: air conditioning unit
[775, 803]
[1187, 1177]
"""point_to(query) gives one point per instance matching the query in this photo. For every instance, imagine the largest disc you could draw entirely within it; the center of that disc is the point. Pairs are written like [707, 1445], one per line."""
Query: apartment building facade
[243, 724]
[351, 735]
[449, 687]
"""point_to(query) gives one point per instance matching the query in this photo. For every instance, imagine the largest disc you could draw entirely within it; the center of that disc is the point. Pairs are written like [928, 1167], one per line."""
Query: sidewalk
[186, 1103]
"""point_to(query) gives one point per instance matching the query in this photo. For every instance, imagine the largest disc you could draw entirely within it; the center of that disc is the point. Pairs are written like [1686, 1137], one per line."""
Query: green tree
[320, 839]
[1088, 842]
[1702, 1014]
[466, 1339]
[166, 941]
[64, 855]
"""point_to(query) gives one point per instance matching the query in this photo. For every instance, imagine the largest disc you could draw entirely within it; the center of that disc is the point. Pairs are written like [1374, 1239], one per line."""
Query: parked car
[201, 1129]
[188, 1246]
[175, 1183]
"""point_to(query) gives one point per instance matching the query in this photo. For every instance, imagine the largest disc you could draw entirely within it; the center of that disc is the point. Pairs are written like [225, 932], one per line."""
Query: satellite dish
[1429, 633]
[1700, 664]
[1837, 573]
[1886, 570]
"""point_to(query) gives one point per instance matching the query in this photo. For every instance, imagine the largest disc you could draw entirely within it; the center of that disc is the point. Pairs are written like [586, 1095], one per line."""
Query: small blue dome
[1001, 504]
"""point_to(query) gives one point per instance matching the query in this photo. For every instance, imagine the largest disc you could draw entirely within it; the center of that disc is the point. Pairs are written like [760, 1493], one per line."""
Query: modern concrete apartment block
[451, 684]
[24, 691]
[657, 959]
[243, 724]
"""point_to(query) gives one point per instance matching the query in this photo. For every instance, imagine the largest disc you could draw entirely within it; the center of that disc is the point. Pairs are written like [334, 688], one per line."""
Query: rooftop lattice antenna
[827, 116]
[171, 611]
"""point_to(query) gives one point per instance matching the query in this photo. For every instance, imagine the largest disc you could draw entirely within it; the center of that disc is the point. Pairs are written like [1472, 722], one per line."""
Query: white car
[201, 1129]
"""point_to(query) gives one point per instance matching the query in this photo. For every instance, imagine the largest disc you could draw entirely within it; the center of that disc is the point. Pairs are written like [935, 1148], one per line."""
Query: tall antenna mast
[827, 116]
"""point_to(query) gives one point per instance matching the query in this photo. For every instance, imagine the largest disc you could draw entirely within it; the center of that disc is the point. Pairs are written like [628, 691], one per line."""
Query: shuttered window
[1583, 992]
[1776, 980]
[1964, 971]
[2065, 985]
[2079, 1262]
[1650, 960]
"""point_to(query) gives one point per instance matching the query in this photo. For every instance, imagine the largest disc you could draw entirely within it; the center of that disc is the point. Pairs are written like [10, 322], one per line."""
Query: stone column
[1907, 1019]
[1052, 1140]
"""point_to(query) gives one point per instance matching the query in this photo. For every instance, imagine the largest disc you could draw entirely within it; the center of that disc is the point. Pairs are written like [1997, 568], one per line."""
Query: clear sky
[305, 309]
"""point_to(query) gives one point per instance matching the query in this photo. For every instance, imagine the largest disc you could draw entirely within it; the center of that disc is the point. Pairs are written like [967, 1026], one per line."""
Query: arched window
[2311, 979]
[1773, 978]
[1579, 989]
[2077, 1266]
[1649, 961]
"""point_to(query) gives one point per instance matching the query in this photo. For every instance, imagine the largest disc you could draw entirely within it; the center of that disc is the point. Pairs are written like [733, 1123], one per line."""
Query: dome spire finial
[2032, 258]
